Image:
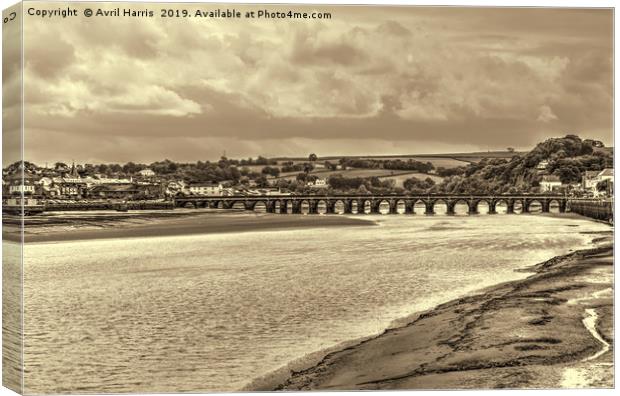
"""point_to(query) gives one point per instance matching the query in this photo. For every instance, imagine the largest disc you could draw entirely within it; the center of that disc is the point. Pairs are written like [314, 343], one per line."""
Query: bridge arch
[355, 206]
[383, 206]
[321, 207]
[189, 205]
[483, 206]
[440, 206]
[555, 206]
[401, 206]
[238, 205]
[340, 207]
[460, 207]
[259, 206]
[501, 206]
[304, 207]
[534, 206]
[419, 206]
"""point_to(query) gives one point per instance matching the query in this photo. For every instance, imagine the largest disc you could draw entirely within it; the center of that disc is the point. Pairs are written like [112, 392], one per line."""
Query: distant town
[568, 166]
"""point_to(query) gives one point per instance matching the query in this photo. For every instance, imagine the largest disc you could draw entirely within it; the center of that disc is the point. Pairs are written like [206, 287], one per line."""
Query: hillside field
[398, 176]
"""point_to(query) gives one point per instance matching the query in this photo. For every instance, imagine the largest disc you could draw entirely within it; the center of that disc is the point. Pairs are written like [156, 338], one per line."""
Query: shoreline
[510, 335]
[87, 226]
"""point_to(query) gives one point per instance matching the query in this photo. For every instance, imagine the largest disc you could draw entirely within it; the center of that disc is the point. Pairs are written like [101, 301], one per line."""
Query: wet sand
[553, 329]
[82, 226]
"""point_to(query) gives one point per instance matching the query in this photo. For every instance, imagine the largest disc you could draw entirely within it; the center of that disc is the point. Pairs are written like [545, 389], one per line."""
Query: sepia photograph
[225, 197]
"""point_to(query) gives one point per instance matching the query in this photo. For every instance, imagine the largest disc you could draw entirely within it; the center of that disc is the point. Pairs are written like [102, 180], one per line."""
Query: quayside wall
[599, 209]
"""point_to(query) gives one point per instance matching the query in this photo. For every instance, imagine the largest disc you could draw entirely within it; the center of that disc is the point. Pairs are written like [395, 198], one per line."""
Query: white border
[484, 3]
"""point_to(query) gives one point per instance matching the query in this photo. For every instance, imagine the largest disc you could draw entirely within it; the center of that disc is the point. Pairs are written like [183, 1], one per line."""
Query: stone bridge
[366, 204]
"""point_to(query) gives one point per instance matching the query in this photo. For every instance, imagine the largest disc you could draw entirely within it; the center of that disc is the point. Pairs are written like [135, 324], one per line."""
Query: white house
[19, 184]
[211, 189]
[318, 183]
[175, 186]
[549, 182]
[46, 181]
[19, 188]
[607, 174]
[590, 180]
[147, 172]
[542, 165]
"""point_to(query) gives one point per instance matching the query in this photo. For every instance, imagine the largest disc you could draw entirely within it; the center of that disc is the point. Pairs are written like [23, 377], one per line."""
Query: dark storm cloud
[371, 80]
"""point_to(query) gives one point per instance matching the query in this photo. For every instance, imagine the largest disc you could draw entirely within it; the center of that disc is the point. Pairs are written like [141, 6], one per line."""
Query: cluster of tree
[445, 172]
[289, 166]
[329, 166]
[412, 165]
[306, 178]
[395, 164]
[104, 169]
[556, 148]
[258, 161]
[210, 172]
[19, 165]
[416, 185]
[373, 184]
[360, 163]
[339, 182]
[271, 171]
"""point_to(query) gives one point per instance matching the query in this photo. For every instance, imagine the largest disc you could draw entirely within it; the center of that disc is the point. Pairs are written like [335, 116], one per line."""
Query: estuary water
[212, 312]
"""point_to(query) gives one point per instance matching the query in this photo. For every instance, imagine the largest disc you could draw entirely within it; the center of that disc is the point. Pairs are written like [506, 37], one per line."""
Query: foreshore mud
[553, 329]
[69, 226]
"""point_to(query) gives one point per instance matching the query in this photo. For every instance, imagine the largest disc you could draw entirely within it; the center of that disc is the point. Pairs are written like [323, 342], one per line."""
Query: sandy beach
[71, 226]
[553, 329]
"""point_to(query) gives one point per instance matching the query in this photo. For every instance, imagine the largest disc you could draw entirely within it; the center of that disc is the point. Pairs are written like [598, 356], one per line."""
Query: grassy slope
[398, 176]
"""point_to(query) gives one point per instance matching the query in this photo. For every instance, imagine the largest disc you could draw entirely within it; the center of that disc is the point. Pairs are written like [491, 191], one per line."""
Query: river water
[212, 312]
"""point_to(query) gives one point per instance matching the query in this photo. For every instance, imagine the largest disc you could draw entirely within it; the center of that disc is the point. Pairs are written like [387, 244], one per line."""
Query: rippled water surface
[212, 312]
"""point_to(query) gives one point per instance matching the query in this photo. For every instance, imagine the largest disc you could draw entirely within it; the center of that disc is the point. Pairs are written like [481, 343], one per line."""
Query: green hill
[568, 158]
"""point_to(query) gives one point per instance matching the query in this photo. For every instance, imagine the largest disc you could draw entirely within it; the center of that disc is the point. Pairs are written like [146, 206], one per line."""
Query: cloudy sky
[371, 80]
